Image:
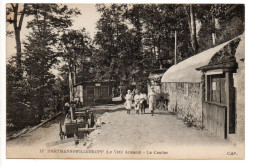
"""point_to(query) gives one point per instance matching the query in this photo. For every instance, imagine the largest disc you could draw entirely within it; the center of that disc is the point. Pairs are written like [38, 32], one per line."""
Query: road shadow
[155, 113]
[99, 110]
[163, 113]
[58, 119]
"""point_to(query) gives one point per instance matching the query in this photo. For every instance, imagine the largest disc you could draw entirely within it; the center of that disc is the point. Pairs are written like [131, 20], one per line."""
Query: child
[143, 101]
[137, 102]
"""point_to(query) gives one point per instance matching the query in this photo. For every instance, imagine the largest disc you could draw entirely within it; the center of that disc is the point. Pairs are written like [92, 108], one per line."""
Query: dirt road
[140, 131]
[144, 133]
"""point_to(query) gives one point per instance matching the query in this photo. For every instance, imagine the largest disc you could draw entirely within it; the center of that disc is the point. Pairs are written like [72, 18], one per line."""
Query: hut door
[219, 111]
[215, 108]
[97, 92]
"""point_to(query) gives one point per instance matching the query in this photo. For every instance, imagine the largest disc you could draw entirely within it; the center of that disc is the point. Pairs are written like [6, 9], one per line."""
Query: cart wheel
[61, 132]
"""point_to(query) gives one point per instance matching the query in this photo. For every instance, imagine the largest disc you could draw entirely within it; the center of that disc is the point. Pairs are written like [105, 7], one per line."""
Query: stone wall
[239, 84]
[185, 100]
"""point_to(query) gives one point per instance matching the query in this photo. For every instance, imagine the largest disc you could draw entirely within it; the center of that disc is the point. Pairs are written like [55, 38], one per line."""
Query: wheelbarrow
[83, 124]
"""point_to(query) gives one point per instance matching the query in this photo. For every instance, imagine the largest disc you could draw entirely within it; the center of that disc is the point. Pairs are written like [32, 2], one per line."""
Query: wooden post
[231, 120]
[203, 97]
[175, 50]
[227, 88]
[71, 95]
[206, 88]
[70, 86]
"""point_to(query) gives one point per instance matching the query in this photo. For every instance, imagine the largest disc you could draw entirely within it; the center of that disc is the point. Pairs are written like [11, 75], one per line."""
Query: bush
[20, 115]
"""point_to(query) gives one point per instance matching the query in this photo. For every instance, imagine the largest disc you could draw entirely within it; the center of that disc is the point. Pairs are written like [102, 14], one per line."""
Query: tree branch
[12, 5]
[21, 18]
[15, 9]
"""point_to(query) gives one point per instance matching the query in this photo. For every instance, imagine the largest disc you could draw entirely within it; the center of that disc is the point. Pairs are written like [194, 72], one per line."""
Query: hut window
[104, 91]
[216, 89]
[90, 90]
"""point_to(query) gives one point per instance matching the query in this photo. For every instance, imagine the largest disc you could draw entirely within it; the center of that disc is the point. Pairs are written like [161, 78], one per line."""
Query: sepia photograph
[125, 81]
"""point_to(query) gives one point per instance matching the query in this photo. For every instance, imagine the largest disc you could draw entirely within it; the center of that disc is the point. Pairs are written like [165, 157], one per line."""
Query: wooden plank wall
[215, 119]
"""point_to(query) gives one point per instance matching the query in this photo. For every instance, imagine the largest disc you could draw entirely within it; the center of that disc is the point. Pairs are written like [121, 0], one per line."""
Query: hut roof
[240, 52]
[156, 74]
[95, 81]
[185, 71]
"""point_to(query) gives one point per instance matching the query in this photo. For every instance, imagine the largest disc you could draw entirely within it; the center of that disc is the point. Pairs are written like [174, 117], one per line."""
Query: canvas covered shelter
[185, 71]
[187, 84]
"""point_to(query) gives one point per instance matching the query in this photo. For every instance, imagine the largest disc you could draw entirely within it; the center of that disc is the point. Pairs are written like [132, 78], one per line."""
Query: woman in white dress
[128, 102]
[152, 101]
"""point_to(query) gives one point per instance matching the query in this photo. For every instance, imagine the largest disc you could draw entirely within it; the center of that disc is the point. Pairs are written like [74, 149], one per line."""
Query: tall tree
[112, 40]
[226, 21]
[41, 48]
[76, 48]
[134, 39]
[15, 14]
[193, 32]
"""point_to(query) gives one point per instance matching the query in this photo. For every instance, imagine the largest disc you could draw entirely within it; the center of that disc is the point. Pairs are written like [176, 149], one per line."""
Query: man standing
[152, 101]
[143, 102]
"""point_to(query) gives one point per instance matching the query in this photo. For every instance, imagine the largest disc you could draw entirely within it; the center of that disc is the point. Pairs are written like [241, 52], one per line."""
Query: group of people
[140, 101]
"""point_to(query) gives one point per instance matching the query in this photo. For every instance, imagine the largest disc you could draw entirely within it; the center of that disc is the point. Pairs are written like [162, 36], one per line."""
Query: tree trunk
[74, 75]
[17, 29]
[18, 49]
[194, 42]
[70, 86]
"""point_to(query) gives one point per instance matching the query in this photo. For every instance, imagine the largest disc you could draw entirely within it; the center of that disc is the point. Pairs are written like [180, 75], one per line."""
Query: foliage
[75, 48]
[35, 94]
[226, 54]
[112, 40]
[14, 16]
[134, 39]
[215, 19]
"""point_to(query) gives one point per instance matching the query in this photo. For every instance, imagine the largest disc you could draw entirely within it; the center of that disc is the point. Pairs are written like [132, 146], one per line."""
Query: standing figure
[137, 102]
[133, 93]
[66, 108]
[113, 92]
[152, 101]
[128, 101]
[143, 102]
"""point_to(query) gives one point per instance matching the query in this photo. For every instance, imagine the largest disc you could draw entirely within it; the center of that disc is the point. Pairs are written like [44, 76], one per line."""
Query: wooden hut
[94, 92]
[223, 104]
[201, 89]
[154, 80]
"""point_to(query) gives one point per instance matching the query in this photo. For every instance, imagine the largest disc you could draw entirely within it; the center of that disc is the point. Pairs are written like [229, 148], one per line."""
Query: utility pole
[213, 30]
[214, 38]
[175, 49]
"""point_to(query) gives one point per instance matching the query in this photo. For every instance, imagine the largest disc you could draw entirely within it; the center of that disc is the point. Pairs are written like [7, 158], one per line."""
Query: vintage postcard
[125, 81]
